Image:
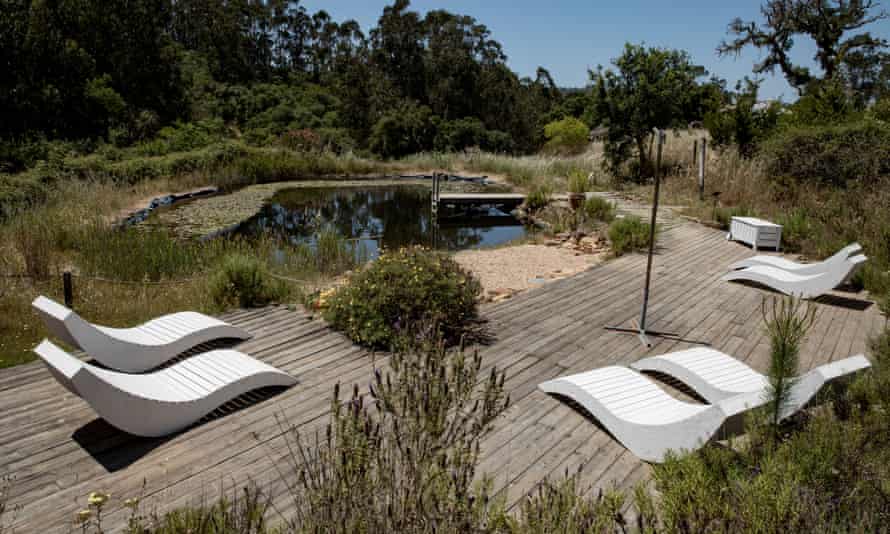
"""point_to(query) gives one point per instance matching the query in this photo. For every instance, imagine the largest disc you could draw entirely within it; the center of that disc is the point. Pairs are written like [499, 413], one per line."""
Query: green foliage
[831, 155]
[404, 292]
[628, 234]
[244, 281]
[723, 216]
[830, 25]
[796, 228]
[539, 197]
[825, 104]
[130, 254]
[562, 506]
[786, 325]
[578, 182]
[742, 125]
[566, 136]
[183, 137]
[651, 88]
[881, 110]
[824, 473]
[599, 209]
[403, 131]
[407, 459]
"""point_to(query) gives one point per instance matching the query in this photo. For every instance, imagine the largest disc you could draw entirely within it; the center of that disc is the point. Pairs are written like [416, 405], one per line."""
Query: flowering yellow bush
[400, 293]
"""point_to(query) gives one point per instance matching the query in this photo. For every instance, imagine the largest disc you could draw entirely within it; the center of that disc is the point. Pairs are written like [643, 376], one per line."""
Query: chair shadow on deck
[115, 449]
[828, 299]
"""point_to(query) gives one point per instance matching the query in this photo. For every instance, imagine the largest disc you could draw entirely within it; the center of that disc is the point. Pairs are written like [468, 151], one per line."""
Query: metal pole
[641, 332]
[652, 223]
[695, 152]
[68, 290]
[701, 169]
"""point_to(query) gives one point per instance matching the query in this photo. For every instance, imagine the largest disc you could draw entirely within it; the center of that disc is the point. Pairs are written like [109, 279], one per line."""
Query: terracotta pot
[576, 200]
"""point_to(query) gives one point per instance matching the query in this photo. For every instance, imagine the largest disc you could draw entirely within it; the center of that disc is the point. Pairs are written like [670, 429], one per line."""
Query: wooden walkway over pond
[58, 452]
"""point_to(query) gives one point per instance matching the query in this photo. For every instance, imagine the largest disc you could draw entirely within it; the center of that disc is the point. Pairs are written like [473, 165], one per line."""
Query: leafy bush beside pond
[628, 234]
[401, 291]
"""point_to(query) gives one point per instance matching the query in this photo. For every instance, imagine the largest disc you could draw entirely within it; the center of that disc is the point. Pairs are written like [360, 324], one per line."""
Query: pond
[377, 217]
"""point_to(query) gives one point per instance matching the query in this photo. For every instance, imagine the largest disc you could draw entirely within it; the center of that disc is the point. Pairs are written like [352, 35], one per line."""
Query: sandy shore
[505, 271]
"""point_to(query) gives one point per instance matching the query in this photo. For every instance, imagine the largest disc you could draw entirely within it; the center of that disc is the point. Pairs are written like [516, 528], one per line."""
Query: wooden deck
[57, 451]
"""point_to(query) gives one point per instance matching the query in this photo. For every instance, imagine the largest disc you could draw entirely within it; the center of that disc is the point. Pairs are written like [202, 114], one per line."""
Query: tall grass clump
[628, 234]
[33, 238]
[244, 281]
[401, 291]
[578, 182]
[132, 254]
[599, 209]
[404, 458]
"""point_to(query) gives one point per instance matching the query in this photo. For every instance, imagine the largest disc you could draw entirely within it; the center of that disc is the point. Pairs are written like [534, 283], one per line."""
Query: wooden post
[695, 152]
[701, 168]
[68, 289]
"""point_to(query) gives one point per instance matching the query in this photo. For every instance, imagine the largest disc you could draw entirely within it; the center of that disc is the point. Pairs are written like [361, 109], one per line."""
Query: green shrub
[402, 292]
[403, 131]
[831, 155]
[599, 209]
[796, 227]
[566, 136]
[628, 234]
[406, 458]
[244, 281]
[578, 182]
[539, 197]
[183, 137]
[723, 216]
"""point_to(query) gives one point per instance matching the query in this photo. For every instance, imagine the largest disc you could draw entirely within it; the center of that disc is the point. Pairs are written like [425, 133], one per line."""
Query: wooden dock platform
[505, 200]
[58, 451]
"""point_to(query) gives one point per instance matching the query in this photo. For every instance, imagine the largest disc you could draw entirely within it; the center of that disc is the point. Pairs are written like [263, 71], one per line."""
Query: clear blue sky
[570, 36]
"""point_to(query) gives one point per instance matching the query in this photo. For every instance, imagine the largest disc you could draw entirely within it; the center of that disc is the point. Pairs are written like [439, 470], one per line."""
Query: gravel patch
[508, 270]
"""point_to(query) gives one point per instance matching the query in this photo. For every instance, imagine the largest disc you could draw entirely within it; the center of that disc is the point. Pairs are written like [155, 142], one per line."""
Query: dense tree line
[119, 70]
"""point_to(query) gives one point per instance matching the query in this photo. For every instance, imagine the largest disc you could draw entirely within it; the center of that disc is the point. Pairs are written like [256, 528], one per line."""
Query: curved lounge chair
[137, 349]
[800, 268]
[166, 401]
[797, 285]
[641, 415]
[717, 376]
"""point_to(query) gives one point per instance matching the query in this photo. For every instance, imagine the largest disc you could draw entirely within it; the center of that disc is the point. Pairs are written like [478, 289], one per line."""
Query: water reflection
[388, 216]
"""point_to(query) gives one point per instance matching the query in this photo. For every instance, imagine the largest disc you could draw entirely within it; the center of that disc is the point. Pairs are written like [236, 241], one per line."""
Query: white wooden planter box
[755, 232]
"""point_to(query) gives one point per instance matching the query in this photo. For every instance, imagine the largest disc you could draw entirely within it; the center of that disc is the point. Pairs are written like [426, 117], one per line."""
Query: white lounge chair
[641, 415]
[717, 376]
[800, 268]
[165, 401]
[137, 349]
[798, 285]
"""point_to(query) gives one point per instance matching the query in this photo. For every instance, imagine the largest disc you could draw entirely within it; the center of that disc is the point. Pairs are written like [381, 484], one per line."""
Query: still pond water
[377, 217]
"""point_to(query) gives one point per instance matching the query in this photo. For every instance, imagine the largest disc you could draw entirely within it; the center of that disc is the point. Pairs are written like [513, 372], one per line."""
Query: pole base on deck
[644, 335]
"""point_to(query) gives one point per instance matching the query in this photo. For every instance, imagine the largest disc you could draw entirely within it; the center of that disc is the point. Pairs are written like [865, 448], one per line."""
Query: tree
[650, 89]
[568, 135]
[825, 21]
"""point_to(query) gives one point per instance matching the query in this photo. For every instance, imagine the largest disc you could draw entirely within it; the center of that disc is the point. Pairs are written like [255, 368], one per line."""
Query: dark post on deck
[68, 289]
[659, 136]
[701, 168]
